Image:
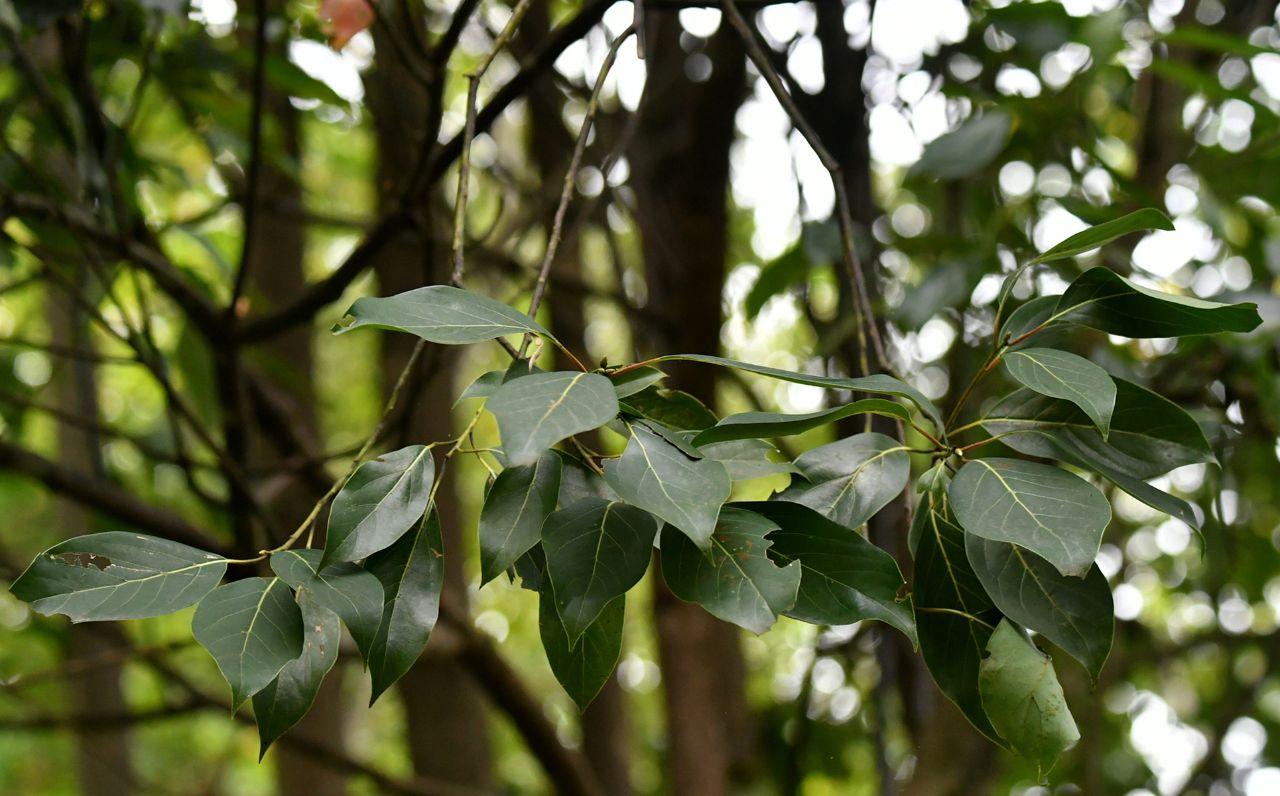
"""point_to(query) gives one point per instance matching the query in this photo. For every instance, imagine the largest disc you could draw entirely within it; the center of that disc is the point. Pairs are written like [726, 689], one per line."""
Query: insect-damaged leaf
[287, 698]
[344, 588]
[535, 412]
[382, 500]
[117, 575]
[252, 628]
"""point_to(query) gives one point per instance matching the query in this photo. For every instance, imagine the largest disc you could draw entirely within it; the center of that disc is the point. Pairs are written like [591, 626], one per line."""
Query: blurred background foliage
[971, 136]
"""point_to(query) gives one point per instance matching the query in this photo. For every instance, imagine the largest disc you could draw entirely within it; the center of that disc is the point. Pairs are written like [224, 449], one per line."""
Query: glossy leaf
[412, 575]
[1022, 696]
[441, 314]
[118, 575]
[878, 383]
[252, 628]
[344, 588]
[1074, 613]
[1102, 234]
[634, 381]
[1060, 374]
[656, 476]
[1150, 435]
[583, 667]
[1028, 317]
[286, 699]
[967, 149]
[851, 479]
[515, 508]
[671, 408]
[1045, 509]
[595, 551]
[954, 616]
[754, 425]
[735, 580]
[747, 458]
[537, 411]
[843, 577]
[381, 501]
[1101, 299]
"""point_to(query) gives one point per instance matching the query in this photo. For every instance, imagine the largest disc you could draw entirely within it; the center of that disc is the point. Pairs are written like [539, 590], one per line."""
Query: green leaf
[734, 580]
[412, 575]
[654, 475]
[584, 666]
[441, 314]
[1045, 509]
[344, 588]
[1074, 613]
[513, 513]
[484, 385]
[1059, 374]
[382, 500]
[1102, 234]
[118, 575]
[287, 698]
[578, 481]
[747, 458]
[1102, 299]
[595, 551]
[671, 408]
[1030, 316]
[252, 628]
[634, 381]
[954, 616]
[878, 383]
[843, 577]
[754, 425]
[1021, 694]
[967, 149]
[851, 479]
[775, 277]
[1150, 435]
[535, 412]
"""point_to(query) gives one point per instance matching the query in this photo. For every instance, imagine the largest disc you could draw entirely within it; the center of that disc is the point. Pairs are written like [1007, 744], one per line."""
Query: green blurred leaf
[441, 314]
[342, 587]
[849, 480]
[582, 668]
[513, 513]
[535, 412]
[252, 628]
[381, 501]
[968, 149]
[776, 277]
[117, 575]
[286, 699]
[1059, 374]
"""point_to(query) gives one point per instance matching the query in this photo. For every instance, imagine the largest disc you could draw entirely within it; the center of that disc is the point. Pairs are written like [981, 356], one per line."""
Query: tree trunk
[680, 168]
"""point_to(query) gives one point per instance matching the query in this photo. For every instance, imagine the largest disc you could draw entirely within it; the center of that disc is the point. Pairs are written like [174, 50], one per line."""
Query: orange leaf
[342, 19]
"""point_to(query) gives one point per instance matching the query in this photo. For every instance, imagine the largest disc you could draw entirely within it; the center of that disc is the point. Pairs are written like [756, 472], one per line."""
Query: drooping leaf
[851, 479]
[1045, 509]
[747, 458]
[1022, 696]
[513, 513]
[537, 411]
[734, 580]
[754, 425]
[1102, 299]
[1138, 221]
[879, 384]
[342, 587]
[634, 381]
[1150, 435]
[1074, 613]
[582, 668]
[595, 551]
[656, 476]
[1060, 374]
[290, 696]
[441, 314]
[671, 408]
[843, 577]
[118, 575]
[412, 575]
[252, 628]
[954, 616]
[967, 149]
[381, 501]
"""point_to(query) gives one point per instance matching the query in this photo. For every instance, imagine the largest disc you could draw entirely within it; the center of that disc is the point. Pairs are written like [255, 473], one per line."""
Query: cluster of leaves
[1002, 544]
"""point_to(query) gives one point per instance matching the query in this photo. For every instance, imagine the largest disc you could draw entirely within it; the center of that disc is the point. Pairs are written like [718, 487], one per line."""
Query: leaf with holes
[117, 575]
[381, 500]
[1045, 509]
[851, 479]
[595, 551]
[582, 667]
[441, 314]
[515, 508]
[1059, 374]
[412, 575]
[535, 412]
[843, 577]
[344, 588]
[735, 580]
[1022, 696]
[755, 425]
[1074, 613]
[252, 628]
[284, 701]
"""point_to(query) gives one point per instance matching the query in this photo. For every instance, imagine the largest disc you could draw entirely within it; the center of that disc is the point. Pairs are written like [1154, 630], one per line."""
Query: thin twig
[254, 173]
